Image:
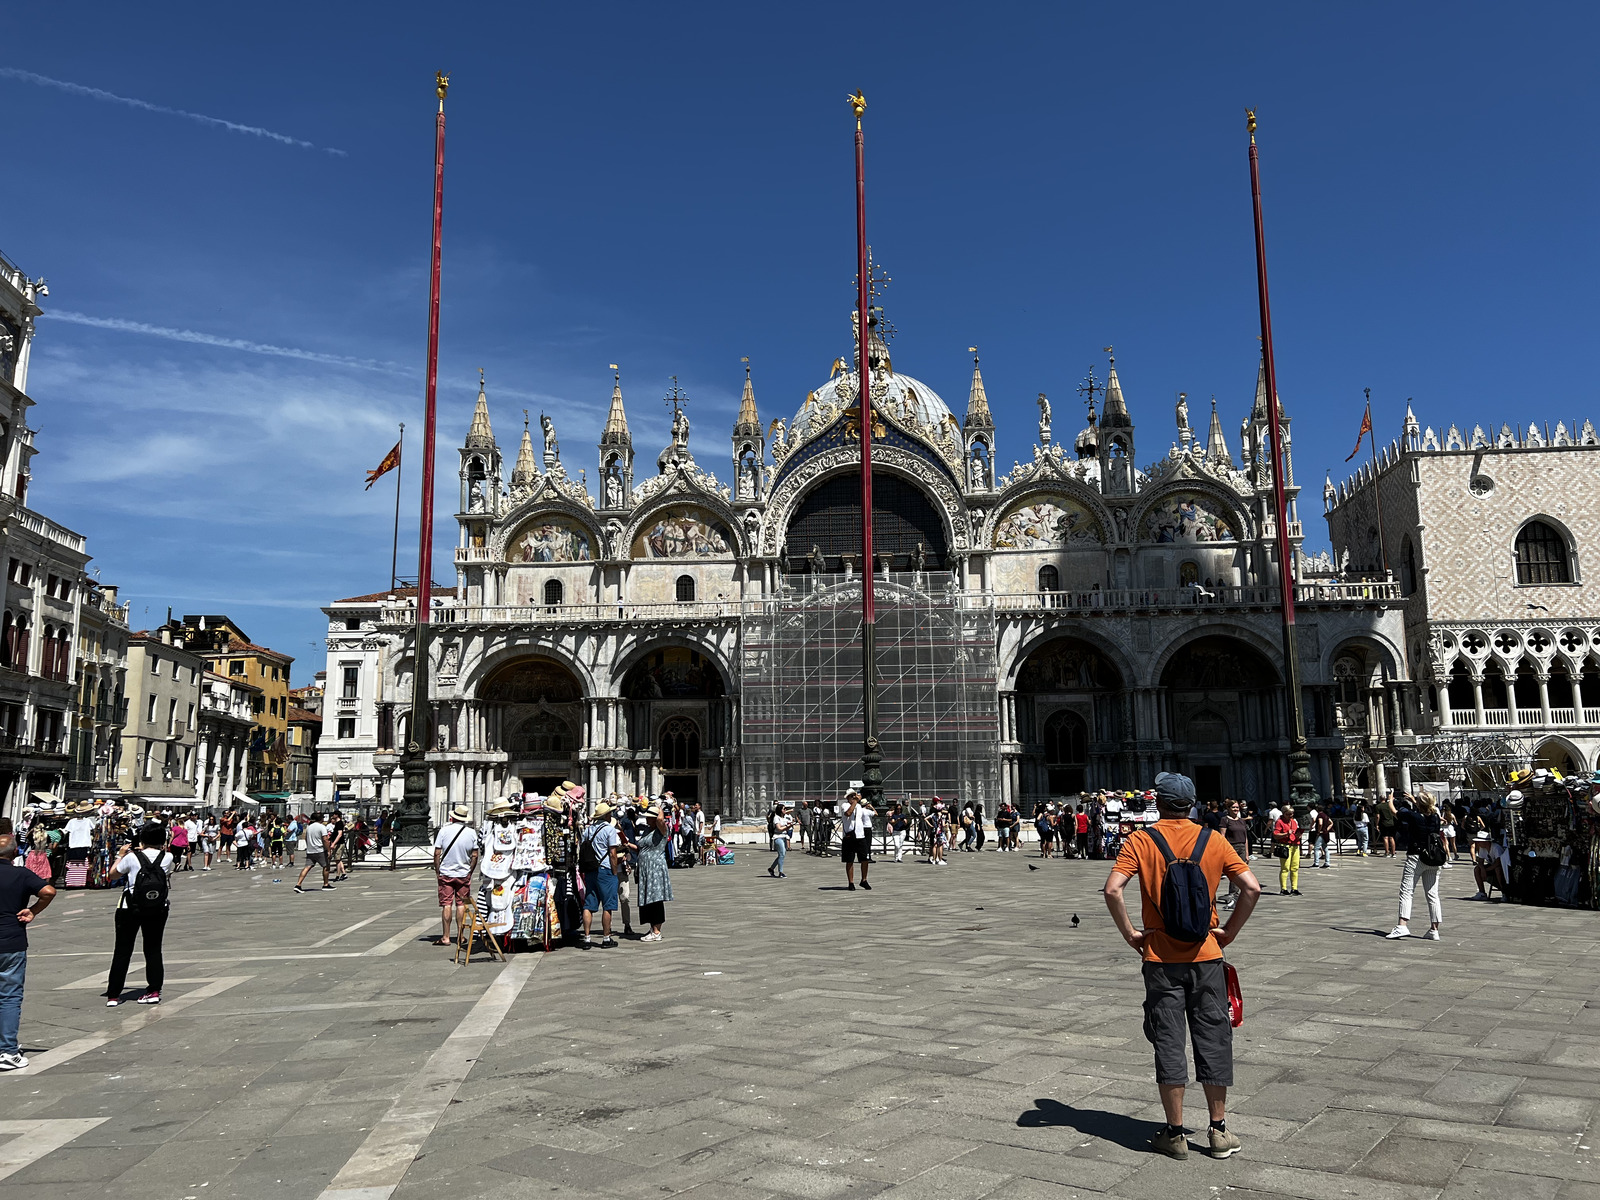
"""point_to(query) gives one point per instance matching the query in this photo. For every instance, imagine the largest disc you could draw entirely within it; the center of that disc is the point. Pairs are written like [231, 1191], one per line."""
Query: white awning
[241, 798]
[46, 797]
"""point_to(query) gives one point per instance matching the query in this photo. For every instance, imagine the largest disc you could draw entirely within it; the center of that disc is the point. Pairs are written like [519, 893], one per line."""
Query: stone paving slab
[948, 1034]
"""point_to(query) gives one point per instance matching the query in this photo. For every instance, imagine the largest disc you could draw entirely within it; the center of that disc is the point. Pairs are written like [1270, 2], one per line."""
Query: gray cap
[1174, 790]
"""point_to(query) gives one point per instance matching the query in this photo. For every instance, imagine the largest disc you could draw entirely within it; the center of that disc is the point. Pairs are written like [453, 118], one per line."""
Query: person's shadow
[1123, 1130]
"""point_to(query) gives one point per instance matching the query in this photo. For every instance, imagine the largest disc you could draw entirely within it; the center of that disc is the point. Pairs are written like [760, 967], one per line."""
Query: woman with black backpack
[1421, 833]
[146, 869]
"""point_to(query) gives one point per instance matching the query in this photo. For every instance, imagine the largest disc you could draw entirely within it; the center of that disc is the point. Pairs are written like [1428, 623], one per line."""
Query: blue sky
[670, 188]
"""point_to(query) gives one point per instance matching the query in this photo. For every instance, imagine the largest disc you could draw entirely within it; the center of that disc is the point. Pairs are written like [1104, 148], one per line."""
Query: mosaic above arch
[684, 532]
[550, 539]
[1188, 517]
[1048, 522]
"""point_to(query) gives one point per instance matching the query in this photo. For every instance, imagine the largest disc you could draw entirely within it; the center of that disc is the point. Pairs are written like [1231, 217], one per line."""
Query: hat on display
[499, 808]
[460, 813]
[575, 791]
[1513, 799]
[555, 803]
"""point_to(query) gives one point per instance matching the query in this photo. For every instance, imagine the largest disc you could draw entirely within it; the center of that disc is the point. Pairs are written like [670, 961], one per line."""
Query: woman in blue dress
[655, 879]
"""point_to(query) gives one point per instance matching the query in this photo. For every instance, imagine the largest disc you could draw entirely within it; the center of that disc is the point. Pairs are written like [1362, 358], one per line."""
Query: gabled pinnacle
[749, 422]
[1216, 444]
[480, 434]
[1258, 412]
[978, 415]
[527, 468]
[616, 428]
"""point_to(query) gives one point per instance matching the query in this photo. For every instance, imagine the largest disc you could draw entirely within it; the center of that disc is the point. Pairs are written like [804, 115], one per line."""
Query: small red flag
[390, 461]
[1366, 428]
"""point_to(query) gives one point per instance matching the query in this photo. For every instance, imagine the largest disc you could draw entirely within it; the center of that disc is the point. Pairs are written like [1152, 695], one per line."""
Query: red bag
[1235, 996]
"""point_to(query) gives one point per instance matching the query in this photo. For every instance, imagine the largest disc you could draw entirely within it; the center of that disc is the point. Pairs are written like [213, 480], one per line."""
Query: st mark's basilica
[1078, 621]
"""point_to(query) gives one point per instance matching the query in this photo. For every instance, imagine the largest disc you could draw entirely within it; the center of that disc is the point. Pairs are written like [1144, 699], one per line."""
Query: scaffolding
[801, 701]
[1474, 762]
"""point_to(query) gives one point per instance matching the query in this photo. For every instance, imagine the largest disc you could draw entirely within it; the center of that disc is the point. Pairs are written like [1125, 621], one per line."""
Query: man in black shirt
[17, 887]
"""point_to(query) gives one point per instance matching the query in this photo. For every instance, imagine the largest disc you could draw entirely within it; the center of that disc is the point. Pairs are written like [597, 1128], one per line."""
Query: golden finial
[1250, 122]
[441, 83]
[524, 420]
[973, 350]
[480, 379]
[859, 103]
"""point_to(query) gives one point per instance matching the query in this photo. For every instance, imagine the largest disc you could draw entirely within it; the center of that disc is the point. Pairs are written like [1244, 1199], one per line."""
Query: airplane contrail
[226, 343]
[94, 93]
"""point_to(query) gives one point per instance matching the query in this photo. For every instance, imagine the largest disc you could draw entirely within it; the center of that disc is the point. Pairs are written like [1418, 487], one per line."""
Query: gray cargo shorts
[1193, 995]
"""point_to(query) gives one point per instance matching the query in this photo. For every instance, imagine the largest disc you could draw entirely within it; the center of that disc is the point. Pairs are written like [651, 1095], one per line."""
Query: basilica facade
[1100, 620]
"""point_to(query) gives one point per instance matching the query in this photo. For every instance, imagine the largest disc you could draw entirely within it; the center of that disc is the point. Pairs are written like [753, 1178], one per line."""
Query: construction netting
[801, 691]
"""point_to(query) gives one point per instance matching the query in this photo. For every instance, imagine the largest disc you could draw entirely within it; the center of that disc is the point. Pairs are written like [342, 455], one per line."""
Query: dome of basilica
[910, 400]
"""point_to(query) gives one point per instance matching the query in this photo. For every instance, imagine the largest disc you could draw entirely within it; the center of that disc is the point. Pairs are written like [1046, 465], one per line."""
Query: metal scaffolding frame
[801, 691]
[1474, 761]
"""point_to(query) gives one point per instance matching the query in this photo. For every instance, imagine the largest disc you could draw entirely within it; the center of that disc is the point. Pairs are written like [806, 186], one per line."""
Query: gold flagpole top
[441, 84]
[859, 103]
[1250, 123]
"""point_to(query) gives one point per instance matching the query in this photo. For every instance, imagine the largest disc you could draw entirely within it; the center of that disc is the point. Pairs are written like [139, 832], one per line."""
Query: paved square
[948, 1034]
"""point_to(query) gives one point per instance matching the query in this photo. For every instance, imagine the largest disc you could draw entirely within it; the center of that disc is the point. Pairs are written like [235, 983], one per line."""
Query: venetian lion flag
[390, 461]
[1366, 428]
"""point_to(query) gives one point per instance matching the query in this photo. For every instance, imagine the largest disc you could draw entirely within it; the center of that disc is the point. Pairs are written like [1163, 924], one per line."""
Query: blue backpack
[1185, 892]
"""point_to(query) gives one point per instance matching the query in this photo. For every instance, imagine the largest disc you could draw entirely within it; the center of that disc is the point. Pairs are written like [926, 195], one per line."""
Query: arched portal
[538, 706]
[1072, 716]
[829, 518]
[679, 723]
[1223, 719]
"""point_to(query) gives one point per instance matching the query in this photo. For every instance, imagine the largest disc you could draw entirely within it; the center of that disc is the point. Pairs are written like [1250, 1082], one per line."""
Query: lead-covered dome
[908, 400]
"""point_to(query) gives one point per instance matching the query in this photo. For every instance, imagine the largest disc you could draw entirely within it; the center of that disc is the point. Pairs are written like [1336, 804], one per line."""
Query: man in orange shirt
[1184, 981]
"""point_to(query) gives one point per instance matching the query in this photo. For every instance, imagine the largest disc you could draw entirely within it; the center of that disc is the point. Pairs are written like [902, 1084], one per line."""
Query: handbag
[1235, 996]
[1281, 850]
[1432, 854]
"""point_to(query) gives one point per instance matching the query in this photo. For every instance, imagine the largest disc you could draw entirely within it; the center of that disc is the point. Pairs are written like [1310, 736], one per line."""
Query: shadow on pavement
[1109, 1126]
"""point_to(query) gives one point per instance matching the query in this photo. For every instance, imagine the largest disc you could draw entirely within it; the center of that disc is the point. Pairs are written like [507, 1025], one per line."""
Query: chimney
[166, 635]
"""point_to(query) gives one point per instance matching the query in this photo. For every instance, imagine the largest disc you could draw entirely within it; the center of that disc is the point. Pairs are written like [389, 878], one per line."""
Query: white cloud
[194, 337]
[94, 93]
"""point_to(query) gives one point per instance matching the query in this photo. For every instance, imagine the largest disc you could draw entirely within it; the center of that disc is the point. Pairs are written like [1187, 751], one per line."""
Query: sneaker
[852, 887]
[866, 886]
[328, 887]
[1223, 1143]
[1481, 895]
[299, 889]
[651, 937]
[12, 1062]
[585, 944]
[1399, 931]
[1431, 936]
[1174, 1145]
[1283, 891]
[1294, 891]
[149, 998]
[115, 1001]
[608, 943]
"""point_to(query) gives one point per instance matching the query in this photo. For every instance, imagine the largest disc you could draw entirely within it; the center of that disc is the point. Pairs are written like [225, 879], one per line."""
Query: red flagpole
[871, 759]
[416, 803]
[1300, 785]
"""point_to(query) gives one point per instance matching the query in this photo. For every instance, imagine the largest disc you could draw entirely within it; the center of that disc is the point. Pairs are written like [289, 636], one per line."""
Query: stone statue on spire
[1044, 419]
[552, 448]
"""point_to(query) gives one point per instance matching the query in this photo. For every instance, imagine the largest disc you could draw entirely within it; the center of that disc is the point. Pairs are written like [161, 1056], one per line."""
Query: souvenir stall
[1552, 830]
[529, 895]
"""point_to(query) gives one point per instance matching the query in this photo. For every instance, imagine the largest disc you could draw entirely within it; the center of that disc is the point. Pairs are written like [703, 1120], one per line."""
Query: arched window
[552, 592]
[1049, 579]
[1066, 753]
[685, 587]
[680, 745]
[1408, 568]
[1541, 554]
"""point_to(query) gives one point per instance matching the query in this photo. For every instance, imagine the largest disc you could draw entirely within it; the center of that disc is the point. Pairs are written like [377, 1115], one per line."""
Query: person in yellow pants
[1286, 843]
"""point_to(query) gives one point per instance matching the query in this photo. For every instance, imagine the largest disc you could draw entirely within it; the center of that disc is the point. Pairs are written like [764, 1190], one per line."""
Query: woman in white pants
[1421, 831]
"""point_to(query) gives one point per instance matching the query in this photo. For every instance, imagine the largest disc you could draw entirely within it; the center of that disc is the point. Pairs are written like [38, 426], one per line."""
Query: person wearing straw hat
[598, 859]
[455, 856]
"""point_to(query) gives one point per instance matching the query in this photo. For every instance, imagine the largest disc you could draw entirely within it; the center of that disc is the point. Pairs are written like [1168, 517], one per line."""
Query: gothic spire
[616, 428]
[1116, 410]
[749, 422]
[480, 434]
[1216, 444]
[978, 415]
[527, 468]
[1258, 413]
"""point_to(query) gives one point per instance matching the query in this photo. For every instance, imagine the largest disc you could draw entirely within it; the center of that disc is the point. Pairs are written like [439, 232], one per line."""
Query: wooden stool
[477, 927]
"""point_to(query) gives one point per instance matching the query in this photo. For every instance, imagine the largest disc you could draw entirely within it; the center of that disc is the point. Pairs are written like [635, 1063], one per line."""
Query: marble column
[1544, 699]
[1446, 718]
[1477, 698]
